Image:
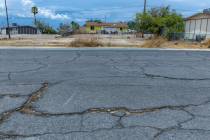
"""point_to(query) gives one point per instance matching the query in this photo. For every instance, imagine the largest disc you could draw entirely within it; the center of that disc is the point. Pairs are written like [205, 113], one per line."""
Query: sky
[61, 11]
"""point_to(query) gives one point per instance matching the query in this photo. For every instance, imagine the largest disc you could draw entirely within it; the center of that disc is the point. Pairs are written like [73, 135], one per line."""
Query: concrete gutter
[99, 48]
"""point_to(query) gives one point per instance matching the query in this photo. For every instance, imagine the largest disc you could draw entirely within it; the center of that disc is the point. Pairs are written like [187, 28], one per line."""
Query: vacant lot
[35, 40]
[91, 40]
[54, 41]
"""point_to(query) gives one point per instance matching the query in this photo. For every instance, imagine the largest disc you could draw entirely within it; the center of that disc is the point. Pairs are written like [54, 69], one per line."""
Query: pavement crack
[152, 76]
[202, 130]
[12, 95]
[30, 70]
[176, 127]
[26, 107]
[124, 112]
[175, 78]
[162, 131]
[5, 135]
[119, 122]
[118, 111]
[78, 55]
[41, 66]
[81, 123]
[190, 119]
[9, 76]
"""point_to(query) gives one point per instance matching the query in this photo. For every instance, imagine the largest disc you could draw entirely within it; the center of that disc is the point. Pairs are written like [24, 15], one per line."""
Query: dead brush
[90, 42]
[156, 42]
[206, 43]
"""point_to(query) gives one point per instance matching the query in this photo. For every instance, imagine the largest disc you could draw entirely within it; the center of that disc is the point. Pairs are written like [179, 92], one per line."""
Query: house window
[121, 29]
[92, 28]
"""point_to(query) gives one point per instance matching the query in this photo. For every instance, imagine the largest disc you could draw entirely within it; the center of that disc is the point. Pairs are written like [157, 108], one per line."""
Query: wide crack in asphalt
[120, 112]
[27, 106]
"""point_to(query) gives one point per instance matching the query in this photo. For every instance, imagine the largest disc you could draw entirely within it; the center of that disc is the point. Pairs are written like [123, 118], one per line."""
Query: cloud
[29, 3]
[111, 10]
[24, 10]
[2, 11]
[194, 3]
[44, 12]
[48, 13]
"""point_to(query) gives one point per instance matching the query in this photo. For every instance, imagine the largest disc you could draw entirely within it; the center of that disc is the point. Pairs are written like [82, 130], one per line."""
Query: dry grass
[92, 42]
[206, 43]
[182, 45]
[160, 42]
[56, 42]
[156, 42]
[187, 45]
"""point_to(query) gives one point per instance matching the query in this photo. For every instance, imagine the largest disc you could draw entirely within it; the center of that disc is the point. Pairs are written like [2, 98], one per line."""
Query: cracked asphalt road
[112, 94]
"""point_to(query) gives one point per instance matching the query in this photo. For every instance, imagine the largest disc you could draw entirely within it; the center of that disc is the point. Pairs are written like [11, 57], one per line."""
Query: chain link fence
[188, 36]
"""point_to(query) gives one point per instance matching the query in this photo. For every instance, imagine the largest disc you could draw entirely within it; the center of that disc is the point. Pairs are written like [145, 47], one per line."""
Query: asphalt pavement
[104, 94]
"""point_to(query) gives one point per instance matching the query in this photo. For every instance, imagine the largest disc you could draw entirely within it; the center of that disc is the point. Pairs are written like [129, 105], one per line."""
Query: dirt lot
[56, 41]
[98, 41]
[38, 40]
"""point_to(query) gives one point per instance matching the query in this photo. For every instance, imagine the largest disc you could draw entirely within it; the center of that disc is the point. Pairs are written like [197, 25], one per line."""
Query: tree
[144, 22]
[160, 21]
[45, 28]
[34, 10]
[74, 25]
[95, 20]
[132, 25]
[65, 29]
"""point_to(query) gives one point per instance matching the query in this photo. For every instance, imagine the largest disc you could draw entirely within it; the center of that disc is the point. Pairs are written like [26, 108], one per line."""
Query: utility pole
[34, 10]
[7, 20]
[145, 6]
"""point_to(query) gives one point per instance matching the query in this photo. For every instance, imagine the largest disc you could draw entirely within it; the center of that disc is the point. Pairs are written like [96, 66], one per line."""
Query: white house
[198, 25]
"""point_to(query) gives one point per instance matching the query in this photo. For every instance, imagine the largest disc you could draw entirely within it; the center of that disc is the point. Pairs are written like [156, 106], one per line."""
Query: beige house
[95, 27]
[197, 25]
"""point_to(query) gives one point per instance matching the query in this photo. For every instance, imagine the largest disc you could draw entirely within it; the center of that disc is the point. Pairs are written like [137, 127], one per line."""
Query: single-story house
[96, 27]
[197, 26]
[16, 29]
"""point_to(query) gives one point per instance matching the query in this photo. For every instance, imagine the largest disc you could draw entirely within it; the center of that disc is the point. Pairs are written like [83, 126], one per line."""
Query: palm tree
[34, 10]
